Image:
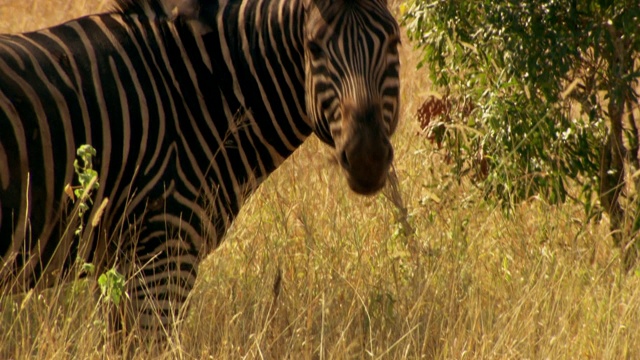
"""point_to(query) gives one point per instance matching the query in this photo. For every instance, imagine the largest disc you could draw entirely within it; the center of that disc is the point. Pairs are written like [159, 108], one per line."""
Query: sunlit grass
[310, 270]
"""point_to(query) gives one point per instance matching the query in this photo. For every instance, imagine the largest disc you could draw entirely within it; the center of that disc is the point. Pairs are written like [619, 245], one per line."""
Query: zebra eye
[315, 49]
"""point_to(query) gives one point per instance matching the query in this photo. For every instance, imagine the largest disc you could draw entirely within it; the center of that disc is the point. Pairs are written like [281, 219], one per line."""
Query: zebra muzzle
[366, 159]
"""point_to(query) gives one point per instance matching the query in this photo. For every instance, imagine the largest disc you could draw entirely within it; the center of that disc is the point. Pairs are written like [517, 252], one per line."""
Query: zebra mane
[148, 8]
[165, 10]
[159, 9]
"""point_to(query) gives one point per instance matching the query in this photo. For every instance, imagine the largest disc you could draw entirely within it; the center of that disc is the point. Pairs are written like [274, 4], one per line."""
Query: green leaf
[88, 268]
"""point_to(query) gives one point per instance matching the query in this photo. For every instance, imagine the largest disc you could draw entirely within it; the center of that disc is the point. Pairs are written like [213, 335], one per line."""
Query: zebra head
[352, 85]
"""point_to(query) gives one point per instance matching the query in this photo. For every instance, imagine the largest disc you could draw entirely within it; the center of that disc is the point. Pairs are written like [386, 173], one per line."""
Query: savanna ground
[469, 283]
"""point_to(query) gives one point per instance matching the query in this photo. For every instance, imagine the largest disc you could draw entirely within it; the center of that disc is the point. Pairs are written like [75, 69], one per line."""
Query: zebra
[190, 104]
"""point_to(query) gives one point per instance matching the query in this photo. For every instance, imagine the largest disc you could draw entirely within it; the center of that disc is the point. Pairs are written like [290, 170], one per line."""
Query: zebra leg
[162, 273]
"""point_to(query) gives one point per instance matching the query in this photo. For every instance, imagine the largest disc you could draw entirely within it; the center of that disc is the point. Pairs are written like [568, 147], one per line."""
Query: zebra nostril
[344, 160]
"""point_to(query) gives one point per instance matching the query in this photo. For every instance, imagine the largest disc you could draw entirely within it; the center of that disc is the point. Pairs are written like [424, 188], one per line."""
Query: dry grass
[470, 283]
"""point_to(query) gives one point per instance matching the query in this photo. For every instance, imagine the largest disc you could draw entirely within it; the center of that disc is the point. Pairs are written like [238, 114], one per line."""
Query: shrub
[539, 95]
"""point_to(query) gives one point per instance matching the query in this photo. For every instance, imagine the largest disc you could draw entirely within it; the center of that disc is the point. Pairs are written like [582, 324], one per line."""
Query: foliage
[88, 178]
[543, 83]
[111, 282]
[112, 286]
[85, 172]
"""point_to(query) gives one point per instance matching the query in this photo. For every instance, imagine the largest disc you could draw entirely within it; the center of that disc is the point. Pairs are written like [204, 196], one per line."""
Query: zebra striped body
[190, 108]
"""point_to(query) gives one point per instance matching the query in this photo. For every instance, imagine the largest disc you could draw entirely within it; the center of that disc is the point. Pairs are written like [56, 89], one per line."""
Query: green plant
[88, 179]
[112, 286]
[111, 282]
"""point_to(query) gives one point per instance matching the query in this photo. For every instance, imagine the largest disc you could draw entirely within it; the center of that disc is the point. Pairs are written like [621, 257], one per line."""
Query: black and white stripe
[190, 105]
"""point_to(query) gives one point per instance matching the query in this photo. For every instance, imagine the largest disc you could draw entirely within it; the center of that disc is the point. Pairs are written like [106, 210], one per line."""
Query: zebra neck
[253, 96]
